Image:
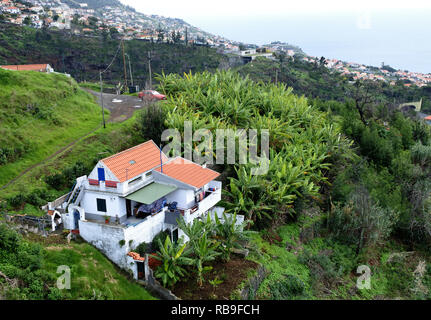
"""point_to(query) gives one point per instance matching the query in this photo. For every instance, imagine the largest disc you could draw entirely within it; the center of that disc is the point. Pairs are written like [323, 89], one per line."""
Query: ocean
[400, 39]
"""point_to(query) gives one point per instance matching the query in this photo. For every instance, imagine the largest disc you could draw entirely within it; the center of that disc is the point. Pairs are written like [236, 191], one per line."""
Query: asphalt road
[121, 107]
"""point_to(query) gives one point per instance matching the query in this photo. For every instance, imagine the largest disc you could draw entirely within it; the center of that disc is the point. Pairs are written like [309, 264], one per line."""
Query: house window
[148, 174]
[101, 205]
[135, 180]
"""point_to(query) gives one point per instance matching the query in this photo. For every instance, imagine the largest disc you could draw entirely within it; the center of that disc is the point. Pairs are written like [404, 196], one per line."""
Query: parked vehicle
[151, 95]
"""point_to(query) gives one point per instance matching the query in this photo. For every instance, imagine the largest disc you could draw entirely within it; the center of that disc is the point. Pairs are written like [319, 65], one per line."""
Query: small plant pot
[106, 221]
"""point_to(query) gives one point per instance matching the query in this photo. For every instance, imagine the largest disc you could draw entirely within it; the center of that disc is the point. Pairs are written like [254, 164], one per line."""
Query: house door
[76, 217]
[141, 270]
[175, 236]
[129, 207]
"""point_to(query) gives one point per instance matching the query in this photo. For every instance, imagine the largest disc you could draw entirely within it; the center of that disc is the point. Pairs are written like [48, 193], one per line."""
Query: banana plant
[230, 233]
[304, 141]
[173, 257]
[204, 250]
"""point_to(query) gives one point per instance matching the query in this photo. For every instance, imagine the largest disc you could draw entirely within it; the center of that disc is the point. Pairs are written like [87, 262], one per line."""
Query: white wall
[182, 196]
[114, 204]
[106, 238]
[145, 231]
[108, 174]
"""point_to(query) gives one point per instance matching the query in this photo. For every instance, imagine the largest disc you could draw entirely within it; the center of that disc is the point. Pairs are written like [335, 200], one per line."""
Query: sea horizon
[369, 38]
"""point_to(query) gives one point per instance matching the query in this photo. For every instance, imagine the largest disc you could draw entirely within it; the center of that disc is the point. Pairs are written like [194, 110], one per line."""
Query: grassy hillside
[39, 114]
[30, 267]
[84, 57]
[56, 176]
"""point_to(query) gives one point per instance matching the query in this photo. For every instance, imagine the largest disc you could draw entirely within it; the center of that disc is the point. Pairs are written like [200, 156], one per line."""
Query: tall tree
[364, 95]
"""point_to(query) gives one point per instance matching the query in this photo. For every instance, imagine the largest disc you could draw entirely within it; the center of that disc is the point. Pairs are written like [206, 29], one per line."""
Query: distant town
[80, 19]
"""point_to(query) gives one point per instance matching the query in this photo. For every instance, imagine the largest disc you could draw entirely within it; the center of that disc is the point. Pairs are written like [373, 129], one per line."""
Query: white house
[130, 197]
[12, 10]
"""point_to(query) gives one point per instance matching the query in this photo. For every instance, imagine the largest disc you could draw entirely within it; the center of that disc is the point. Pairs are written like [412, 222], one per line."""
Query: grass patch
[93, 276]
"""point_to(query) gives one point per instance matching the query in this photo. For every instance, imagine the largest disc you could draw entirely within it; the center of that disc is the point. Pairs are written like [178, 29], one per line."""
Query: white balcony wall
[146, 230]
[209, 201]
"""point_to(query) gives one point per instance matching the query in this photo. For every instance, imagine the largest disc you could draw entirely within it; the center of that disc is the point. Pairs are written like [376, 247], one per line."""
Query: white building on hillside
[130, 197]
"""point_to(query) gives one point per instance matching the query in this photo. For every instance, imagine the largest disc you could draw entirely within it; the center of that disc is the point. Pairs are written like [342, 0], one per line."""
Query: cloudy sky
[196, 9]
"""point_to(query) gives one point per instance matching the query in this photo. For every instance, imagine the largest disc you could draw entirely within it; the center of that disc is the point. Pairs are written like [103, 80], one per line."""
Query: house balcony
[131, 222]
[134, 221]
[196, 210]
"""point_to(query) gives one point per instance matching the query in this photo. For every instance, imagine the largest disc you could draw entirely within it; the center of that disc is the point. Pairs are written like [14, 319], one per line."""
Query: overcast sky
[196, 9]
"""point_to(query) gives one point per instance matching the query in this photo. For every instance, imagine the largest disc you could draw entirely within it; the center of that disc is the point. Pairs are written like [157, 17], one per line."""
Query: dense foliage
[208, 240]
[303, 142]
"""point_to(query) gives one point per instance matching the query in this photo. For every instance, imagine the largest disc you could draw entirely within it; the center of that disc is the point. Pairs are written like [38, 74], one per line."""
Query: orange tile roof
[145, 156]
[26, 67]
[428, 118]
[188, 172]
[136, 256]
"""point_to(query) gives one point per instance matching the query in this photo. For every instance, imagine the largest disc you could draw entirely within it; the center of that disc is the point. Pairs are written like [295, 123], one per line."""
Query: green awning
[151, 193]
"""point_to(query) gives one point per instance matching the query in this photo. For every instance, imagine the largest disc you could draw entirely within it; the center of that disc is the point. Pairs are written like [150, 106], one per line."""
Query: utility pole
[276, 76]
[124, 64]
[101, 99]
[130, 69]
[149, 69]
[187, 37]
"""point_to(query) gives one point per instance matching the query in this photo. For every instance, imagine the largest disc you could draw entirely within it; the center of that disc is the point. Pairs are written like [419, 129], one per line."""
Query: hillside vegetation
[315, 80]
[344, 189]
[28, 271]
[40, 113]
[303, 142]
[66, 53]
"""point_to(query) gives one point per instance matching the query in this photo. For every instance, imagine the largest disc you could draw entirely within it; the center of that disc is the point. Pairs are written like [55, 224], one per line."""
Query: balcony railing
[210, 200]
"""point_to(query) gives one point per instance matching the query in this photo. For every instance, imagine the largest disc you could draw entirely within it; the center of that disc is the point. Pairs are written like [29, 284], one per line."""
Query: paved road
[121, 107]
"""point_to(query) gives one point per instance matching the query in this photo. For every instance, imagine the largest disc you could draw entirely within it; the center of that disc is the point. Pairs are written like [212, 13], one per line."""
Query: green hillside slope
[39, 114]
[29, 270]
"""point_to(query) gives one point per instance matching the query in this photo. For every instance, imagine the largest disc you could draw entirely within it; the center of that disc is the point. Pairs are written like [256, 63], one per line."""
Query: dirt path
[121, 107]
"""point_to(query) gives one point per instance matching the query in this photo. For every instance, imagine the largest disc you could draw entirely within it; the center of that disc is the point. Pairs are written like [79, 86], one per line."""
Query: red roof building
[29, 67]
[135, 161]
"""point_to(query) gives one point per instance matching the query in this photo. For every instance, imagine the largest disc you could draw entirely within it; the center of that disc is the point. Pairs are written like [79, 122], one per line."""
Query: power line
[116, 54]
[101, 81]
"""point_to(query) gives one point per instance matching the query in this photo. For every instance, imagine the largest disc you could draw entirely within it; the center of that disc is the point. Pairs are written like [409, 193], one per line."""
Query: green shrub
[150, 124]
[159, 238]
[288, 288]
[173, 257]
[143, 248]
[16, 201]
[55, 181]
[361, 221]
